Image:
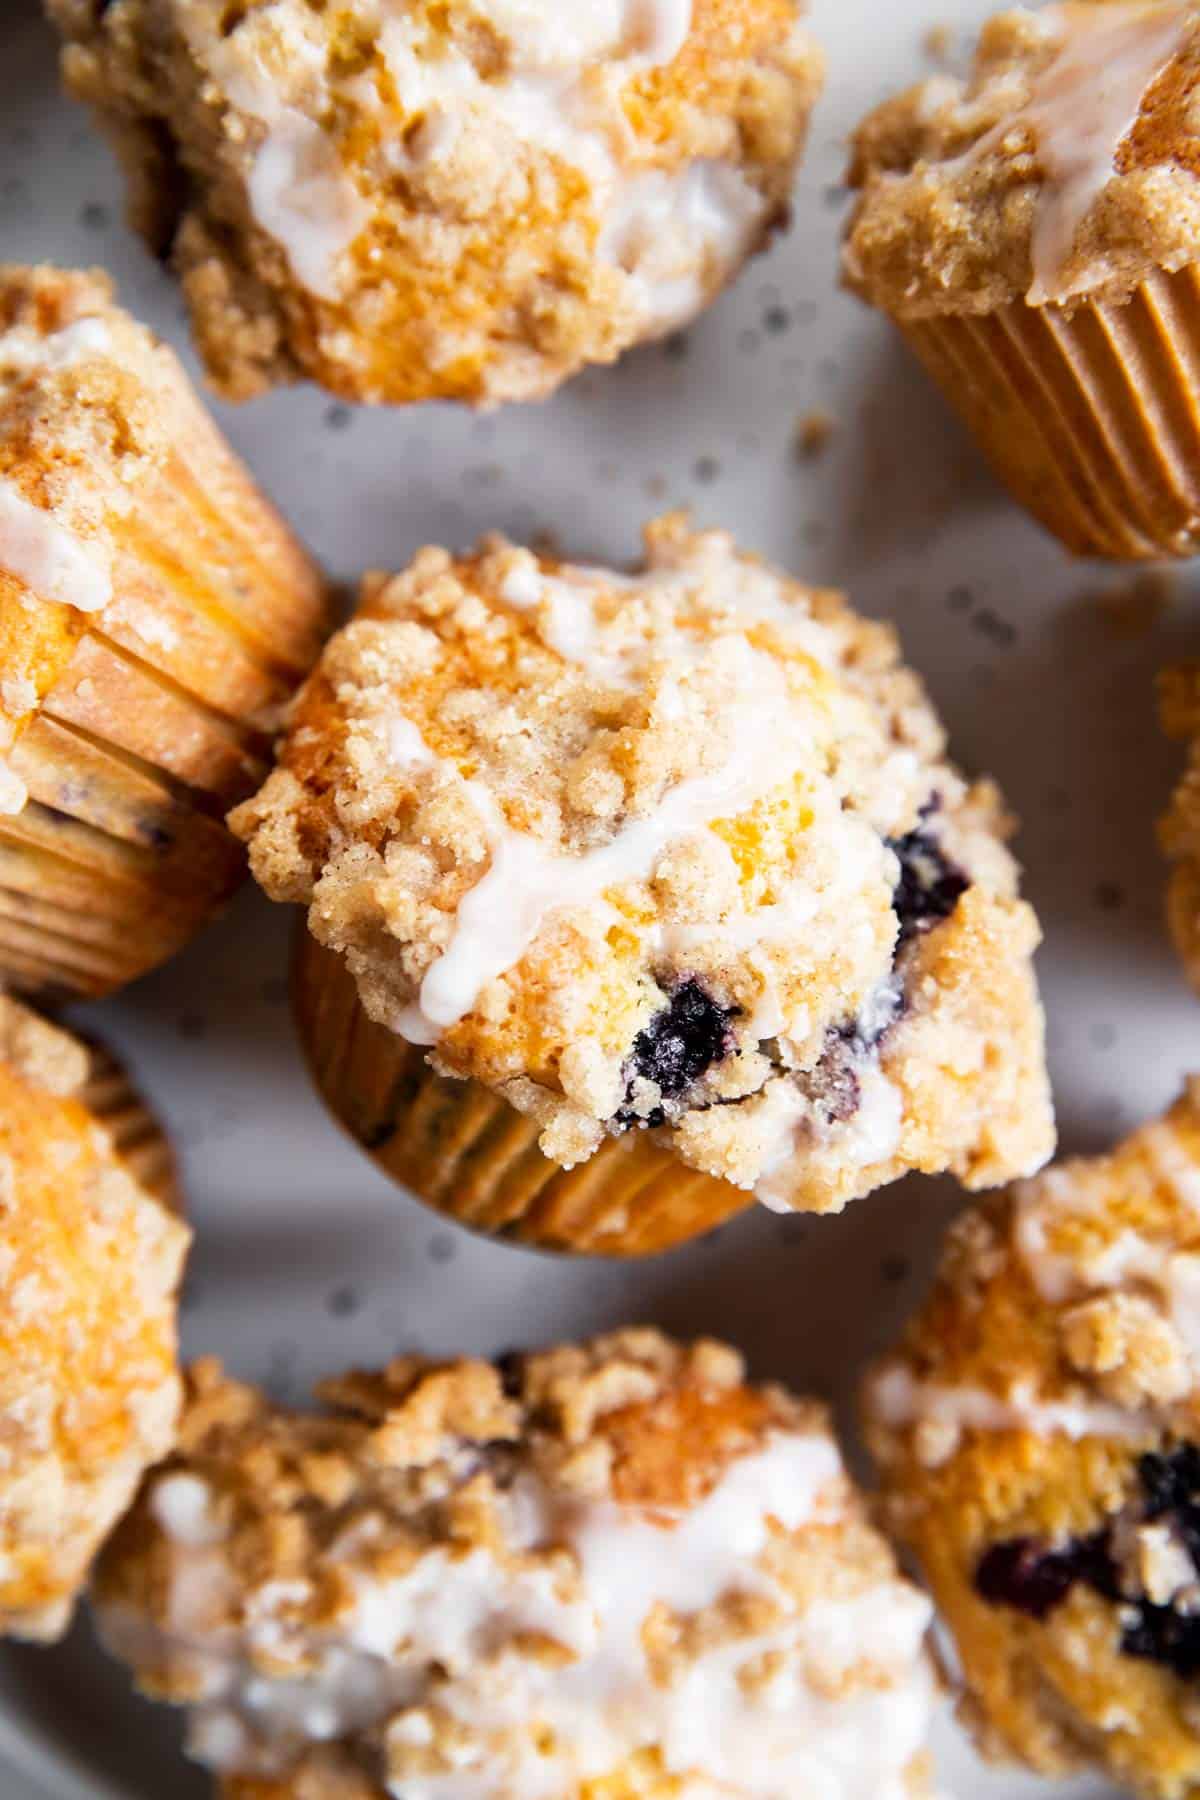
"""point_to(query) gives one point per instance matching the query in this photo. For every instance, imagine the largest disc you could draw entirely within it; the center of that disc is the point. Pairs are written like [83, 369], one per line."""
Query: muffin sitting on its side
[419, 201]
[155, 612]
[1038, 1434]
[675, 853]
[1034, 231]
[90, 1261]
[604, 1572]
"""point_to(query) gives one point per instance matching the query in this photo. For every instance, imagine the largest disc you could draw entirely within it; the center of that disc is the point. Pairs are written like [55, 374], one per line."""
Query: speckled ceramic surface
[307, 1259]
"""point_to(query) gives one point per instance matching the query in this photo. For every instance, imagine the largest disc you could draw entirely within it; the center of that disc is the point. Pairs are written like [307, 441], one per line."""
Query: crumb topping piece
[676, 851]
[1101, 1257]
[526, 1579]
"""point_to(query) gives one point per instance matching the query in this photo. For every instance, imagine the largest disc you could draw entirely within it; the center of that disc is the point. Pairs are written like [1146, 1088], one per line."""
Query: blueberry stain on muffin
[931, 883]
[1035, 1578]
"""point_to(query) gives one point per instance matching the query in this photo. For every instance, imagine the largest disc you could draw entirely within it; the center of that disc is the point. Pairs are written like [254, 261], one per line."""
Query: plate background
[306, 1259]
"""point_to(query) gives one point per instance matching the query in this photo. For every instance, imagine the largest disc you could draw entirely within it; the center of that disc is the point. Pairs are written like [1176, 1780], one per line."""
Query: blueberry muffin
[154, 614]
[1038, 1434]
[611, 1571]
[1034, 231]
[674, 855]
[89, 1266]
[420, 201]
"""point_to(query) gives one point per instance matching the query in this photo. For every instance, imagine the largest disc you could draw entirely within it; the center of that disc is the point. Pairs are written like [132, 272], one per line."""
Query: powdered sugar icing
[769, 1713]
[1082, 108]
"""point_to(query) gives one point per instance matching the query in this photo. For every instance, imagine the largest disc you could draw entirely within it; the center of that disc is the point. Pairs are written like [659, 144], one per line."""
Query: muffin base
[159, 722]
[465, 1152]
[1089, 414]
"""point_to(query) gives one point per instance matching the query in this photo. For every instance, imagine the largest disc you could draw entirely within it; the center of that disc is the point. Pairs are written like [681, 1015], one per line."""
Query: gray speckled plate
[306, 1259]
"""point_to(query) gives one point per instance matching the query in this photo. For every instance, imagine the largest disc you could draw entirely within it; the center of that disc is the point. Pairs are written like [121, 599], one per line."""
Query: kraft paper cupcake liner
[1089, 414]
[465, 1152]
[139, 1139]
[159, 722]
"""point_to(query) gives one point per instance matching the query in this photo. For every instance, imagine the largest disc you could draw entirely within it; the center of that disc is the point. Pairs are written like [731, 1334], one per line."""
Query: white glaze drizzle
[869, 1137]
[51, 561]
[658, 29]
[674, 233]
[301, 193]
[1080, 111]
[1129, 1257]
[806, 1731]
[1061, 1276]
[898, 1400]
[23, 349]
[566, 610]
[526, 880]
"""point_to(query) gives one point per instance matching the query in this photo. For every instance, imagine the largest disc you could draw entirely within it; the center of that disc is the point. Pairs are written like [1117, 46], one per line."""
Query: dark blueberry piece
[1157, 1634]
[680, 1043]
[1026, 1574]
[510, 1366]
[1172, 1482]
[930, 884]
[1023, 1574]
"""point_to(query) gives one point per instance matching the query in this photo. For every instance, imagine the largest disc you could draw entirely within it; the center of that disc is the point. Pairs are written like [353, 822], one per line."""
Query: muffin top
[1065, 1308]
[89, 1266]
[426, 200]
[630, 850]
[1063, 168]
[577, 1567]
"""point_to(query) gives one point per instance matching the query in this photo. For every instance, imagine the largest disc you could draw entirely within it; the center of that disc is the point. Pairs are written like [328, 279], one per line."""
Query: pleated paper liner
[140, 1141]
[160, 722]
[468, 1154]
[1090, 414]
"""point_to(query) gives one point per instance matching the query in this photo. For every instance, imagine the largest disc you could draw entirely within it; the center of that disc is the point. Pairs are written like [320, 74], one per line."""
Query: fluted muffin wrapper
[137, 1136]
[1090, 413]
[159, 723]
[468, 1154]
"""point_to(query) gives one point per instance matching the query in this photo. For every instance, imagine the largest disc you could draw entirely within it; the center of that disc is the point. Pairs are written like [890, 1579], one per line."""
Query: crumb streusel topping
[1063, 168]
[89, 1268]
[678, 851]
[405, 201]
[524, 1580]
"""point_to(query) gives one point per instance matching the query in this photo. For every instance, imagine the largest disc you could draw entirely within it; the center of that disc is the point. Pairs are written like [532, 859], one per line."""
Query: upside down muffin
[405, 201]
[154, 614]
[611, 1571]
[1038, 1436]
[1034, 231]
[89, 1267]
[672, 857]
